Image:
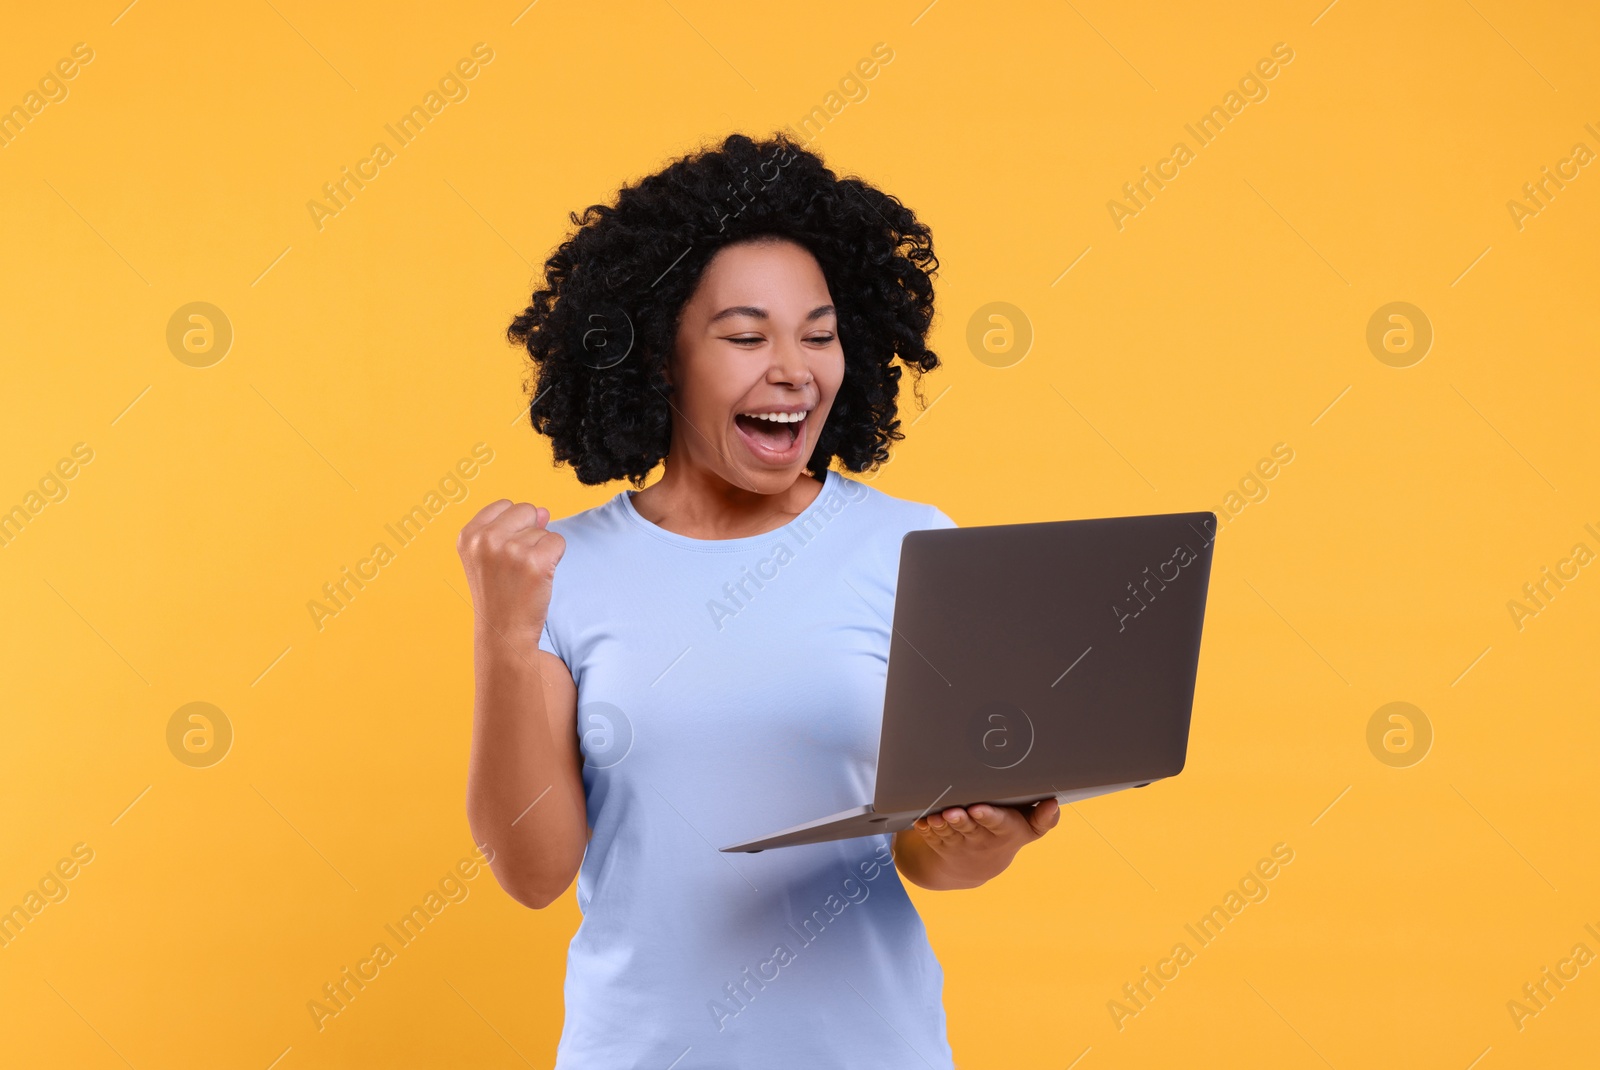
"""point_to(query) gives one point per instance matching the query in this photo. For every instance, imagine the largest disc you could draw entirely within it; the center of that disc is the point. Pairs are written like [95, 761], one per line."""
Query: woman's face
[759, 337]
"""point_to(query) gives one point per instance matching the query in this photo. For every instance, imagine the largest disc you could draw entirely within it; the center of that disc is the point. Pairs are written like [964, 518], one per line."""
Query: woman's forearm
[525, 799]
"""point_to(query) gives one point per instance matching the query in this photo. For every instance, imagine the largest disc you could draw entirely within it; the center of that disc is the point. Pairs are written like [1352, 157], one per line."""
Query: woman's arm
[525, 800]
[965, 847]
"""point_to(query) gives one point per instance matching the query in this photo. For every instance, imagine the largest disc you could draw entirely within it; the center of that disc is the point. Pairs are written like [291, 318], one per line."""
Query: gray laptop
[1033, 660]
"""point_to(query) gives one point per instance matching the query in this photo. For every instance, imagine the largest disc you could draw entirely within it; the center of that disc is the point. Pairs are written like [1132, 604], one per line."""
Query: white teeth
[776, 417]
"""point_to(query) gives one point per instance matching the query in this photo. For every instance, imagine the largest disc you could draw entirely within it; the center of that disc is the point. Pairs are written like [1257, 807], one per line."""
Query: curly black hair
[619, 283]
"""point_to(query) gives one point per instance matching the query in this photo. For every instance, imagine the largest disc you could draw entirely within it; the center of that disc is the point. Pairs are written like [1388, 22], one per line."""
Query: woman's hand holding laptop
[962, 847]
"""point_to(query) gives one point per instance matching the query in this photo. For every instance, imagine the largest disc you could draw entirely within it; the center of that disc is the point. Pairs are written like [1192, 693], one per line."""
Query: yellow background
[1227, 317]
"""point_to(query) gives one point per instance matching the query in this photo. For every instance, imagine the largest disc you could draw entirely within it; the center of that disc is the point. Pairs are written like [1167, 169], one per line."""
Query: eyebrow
[760, 313]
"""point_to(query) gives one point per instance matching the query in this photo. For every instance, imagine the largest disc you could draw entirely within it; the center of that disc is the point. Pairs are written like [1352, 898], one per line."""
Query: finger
[519, 517]
[1044, 816]
[964, 822]
[992, 818]
[941, 828]
[486, 515]
[507, 518]
[528, 538]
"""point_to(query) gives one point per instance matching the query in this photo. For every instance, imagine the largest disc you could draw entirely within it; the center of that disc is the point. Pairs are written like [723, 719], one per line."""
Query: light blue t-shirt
[728, 689]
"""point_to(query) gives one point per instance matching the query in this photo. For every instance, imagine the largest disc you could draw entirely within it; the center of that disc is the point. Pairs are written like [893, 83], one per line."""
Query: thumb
[555, 545]
[1044, 816]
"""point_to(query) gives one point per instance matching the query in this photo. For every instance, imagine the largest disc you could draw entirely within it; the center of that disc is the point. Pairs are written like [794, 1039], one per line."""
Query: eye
[746, 339]
[821, 339]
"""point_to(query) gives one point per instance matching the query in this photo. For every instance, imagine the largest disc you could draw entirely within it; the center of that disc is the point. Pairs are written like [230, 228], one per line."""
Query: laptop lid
[1033, 659]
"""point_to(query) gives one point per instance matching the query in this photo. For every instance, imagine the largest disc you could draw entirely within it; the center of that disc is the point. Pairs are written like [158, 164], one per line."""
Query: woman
[704, 659]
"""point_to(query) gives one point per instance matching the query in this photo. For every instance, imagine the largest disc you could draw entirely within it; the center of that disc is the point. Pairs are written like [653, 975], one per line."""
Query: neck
[695, 501]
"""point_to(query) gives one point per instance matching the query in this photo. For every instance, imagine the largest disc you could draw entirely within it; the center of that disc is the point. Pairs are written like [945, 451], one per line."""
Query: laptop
[1033, 660]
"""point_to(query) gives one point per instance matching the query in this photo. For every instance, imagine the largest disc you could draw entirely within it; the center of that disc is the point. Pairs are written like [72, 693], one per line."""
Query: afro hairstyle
[600, 330]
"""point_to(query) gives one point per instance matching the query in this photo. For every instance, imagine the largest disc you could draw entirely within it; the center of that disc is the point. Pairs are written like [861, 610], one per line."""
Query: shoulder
[595, 520]
[589, 531]
[588, 534]
[874, 536]
[887, 511]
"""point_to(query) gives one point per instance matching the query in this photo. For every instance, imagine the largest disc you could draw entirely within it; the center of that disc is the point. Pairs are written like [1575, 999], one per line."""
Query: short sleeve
[554, 609]
[937, 519]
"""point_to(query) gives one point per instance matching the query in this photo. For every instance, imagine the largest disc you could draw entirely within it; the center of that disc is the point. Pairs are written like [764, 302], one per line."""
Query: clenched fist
[510, 559]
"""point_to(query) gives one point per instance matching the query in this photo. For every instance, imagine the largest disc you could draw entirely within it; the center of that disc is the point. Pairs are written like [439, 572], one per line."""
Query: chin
[771, 480]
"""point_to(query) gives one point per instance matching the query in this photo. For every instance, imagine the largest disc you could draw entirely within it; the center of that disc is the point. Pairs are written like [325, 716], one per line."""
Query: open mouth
[774, 436]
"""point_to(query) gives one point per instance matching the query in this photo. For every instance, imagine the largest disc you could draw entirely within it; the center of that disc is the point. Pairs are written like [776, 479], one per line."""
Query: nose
[789, 365]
